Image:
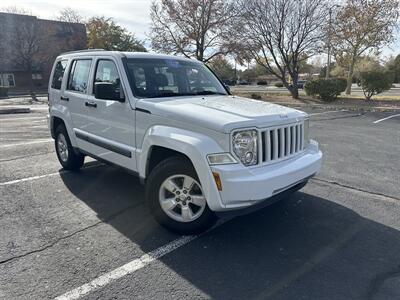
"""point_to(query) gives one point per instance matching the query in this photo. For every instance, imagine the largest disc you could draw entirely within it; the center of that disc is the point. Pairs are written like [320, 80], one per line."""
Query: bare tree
[70, 16]
[360, 26]
[16, 10]
[26, 41]
[194, 28]
[280, 34]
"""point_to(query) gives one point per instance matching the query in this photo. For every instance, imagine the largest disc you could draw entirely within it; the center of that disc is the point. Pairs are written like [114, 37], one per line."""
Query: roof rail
[83, 50]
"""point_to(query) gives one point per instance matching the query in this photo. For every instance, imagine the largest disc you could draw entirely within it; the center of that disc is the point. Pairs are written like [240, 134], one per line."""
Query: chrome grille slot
[281, 142]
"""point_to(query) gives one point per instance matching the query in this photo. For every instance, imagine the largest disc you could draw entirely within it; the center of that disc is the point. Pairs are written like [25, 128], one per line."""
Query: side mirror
[108, 91]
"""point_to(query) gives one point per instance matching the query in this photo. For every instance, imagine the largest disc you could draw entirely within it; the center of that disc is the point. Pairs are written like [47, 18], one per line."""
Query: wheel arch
[54, 123]
[180, 142]
[58, 116]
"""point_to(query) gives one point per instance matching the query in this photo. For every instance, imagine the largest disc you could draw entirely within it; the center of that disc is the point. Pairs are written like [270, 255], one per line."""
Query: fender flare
[194, 145]
[62, 113]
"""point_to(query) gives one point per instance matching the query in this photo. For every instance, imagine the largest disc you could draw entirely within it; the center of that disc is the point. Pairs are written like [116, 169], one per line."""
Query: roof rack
[83, 50]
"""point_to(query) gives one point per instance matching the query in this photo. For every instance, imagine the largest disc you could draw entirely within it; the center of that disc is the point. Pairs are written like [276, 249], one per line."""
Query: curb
[14, 110]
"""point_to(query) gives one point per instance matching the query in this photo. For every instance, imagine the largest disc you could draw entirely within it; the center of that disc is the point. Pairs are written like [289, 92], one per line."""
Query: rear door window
[79, 75]
[58, 74]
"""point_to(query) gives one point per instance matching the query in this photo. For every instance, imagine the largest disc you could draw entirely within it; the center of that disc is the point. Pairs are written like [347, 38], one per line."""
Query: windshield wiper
[209, 93]
[172, 94]
[168, 94]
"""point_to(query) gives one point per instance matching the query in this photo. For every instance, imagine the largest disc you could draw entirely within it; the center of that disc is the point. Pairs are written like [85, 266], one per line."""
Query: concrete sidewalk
[22, 105]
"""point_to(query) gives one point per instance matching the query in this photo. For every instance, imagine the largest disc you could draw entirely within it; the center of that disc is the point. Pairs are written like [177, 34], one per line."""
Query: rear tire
[176, 199]
[68, 158]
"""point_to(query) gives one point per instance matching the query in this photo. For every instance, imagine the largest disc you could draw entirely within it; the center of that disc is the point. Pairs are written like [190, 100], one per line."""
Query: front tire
[176, 198]
[68, 158]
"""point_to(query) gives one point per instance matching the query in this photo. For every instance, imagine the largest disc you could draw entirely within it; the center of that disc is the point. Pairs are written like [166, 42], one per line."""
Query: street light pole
[328, 66]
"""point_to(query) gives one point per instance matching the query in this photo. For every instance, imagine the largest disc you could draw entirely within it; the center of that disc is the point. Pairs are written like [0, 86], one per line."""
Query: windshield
[151, 78]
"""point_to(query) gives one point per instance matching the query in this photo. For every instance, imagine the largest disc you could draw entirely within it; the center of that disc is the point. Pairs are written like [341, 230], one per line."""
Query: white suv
[170, 120]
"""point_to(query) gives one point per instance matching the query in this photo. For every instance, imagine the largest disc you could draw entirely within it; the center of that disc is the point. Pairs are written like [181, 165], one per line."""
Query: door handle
[64, 98]
[91, 104]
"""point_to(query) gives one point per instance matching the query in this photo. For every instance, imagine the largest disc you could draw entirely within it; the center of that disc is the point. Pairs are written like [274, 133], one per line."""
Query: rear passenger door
[76, 94]
[111, 122]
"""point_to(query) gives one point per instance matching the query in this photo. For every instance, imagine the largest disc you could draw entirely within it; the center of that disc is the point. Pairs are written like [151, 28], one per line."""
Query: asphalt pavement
[68, 234]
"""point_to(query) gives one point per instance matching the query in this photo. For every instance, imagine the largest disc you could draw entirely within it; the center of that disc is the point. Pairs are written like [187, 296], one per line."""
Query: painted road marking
[328, 112]
[134, 265]
[28, 179]
[18, 119]
[43, 176]
[378, 121]
[27, 143]
[126, 269]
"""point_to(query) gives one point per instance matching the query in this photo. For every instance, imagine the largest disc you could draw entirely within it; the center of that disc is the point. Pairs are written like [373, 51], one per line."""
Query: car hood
[221, 113]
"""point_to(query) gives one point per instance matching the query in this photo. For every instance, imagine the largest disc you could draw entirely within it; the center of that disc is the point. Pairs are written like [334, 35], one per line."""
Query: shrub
[279, 84]
[311, 88]
[3, 91]
[326, 89]
[256, 96]
[375, 82]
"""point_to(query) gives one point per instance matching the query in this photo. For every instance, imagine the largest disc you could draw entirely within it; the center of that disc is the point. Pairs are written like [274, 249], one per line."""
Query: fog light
[217, 180]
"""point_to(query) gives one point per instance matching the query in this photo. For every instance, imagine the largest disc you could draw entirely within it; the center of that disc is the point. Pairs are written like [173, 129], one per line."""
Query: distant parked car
[229, 82]
[262, 82]
[300, 84]
[243, 82]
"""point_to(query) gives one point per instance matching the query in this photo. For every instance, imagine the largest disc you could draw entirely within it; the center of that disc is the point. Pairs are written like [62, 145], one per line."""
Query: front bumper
[245, 186]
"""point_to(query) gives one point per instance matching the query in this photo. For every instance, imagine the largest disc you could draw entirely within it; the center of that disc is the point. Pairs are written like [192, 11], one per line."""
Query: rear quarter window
[58, 74]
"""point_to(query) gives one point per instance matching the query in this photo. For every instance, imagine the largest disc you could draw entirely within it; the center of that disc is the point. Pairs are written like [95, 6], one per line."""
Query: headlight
[306, 130]
[245, 146]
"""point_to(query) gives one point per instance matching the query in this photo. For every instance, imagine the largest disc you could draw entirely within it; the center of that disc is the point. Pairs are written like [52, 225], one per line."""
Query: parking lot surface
[68, 234]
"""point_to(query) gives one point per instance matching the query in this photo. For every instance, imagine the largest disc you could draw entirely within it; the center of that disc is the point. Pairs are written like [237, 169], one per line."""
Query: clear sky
[132, 14]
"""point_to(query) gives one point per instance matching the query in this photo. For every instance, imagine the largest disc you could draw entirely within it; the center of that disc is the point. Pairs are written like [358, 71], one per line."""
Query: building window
[7, 79]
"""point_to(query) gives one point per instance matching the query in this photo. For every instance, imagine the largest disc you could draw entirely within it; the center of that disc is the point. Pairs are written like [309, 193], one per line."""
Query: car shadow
[303, 247]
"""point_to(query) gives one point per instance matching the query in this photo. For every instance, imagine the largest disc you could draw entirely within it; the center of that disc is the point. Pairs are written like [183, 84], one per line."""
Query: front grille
[281, 142]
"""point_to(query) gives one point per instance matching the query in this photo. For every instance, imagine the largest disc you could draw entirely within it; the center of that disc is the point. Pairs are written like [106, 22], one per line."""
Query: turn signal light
[217, 179]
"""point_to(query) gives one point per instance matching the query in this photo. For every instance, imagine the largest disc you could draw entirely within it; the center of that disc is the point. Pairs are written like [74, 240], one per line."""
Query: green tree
[393, 65]
[104, 33]
[360, 26]
[375, 82]
[222, 67]
[255, 71]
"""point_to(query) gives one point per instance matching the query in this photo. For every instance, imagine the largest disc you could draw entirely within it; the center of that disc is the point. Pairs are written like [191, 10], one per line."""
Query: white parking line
[378, 121]
[126, 269]
[18, 119]
[328, 112]
[28, 179]
[43, 176]
[27, 143]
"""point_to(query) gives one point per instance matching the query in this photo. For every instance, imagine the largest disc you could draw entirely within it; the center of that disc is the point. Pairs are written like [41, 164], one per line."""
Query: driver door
[111, 123]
